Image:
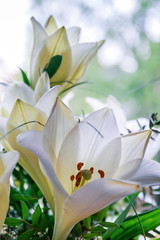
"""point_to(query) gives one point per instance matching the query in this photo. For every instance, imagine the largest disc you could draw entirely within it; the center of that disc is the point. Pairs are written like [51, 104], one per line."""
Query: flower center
[83, 176]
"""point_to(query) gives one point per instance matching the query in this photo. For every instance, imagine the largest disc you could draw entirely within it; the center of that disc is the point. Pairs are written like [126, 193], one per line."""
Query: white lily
[54, 41]
[34, 107]
[19, 90]
[91, 167]
[7, 163]
[131, 125]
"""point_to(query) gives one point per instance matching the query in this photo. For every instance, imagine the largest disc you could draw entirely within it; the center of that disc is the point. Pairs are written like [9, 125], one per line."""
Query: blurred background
[128, 64]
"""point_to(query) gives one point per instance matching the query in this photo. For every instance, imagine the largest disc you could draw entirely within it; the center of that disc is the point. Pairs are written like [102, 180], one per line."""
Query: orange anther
[72, 178]
[79, 166]
[101, 173]
[78, 181]
[78, 175]
[91, 169]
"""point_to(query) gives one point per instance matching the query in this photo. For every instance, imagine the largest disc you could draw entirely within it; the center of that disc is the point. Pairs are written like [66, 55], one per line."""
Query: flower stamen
[79, 166]
[92, 170]
[101, 173]
[72, 178]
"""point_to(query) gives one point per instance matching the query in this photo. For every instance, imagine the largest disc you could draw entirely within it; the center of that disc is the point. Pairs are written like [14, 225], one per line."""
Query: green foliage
[52, 67]
[87, 222]
[13, 221]
[36, 215]
[131, 227]
[27, 234]
[25, 78]
[25, 210]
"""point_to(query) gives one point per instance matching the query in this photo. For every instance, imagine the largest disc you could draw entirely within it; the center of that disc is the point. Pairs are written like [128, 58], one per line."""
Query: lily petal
[73, 35]
[51, 25]
[147, 174]
[23, 113]
[58, 125]
[16, 91]
[7, 163]
[39, 36]
[47, 101]
[81, 55]
[118, 112]
[42, 86]
[126, 170]
[104, 121]
[134, 145]
[56, 44]
[3, 122]
[90, 199]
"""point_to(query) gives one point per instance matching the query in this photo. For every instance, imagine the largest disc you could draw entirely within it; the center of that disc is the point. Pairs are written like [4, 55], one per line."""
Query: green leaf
[102, 214]
[25, 210]
[109, 225]
[13, 221]
[27, 234]
[119, 220]
[25, 197]
[97, 229]
[131, 227]
[43, 222]
[52, 67]
[89, 235]
[87, 222]
[36, 215]
[77, 229]
[25, 78]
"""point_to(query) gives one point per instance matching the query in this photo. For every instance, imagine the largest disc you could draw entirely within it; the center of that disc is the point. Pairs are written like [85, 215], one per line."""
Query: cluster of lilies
[80, 166]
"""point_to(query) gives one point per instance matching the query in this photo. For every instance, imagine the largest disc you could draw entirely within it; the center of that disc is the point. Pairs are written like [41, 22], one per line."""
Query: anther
[78, 175]
[72, 178]
[101, 173]
[79, 166]
[91, 169]
[78, 181]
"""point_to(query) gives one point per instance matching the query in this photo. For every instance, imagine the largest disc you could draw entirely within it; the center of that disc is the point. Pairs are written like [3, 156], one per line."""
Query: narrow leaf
[89, 235]
[87, 222]
[36, 215]
[13, 221]
[77, 229]
[25, 210]
[102, 214]
[27, 234]
[25, 197]
[131, 227]
[110, 225]
[25, 78]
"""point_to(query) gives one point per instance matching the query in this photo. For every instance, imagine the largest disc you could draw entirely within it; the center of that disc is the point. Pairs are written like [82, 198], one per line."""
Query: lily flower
[24, 109]
[19, 90]
[52, 41]
[92, 166]
[125, 126]
[8, 161]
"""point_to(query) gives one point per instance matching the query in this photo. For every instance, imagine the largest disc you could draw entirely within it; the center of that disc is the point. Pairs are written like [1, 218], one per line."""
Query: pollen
[101, 173]
[79, 166]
